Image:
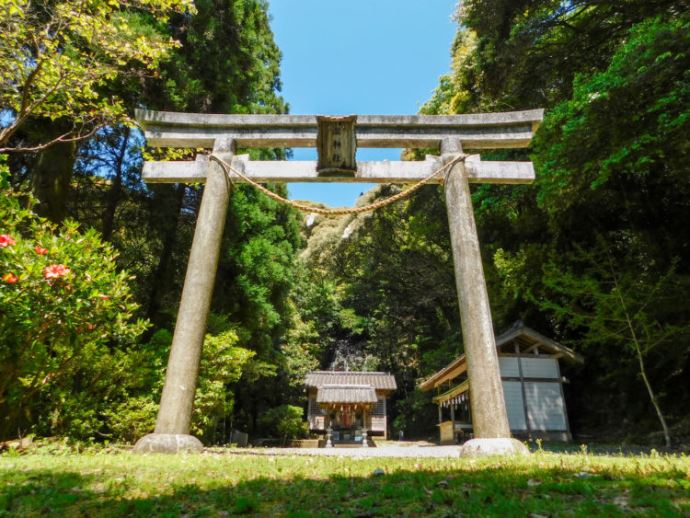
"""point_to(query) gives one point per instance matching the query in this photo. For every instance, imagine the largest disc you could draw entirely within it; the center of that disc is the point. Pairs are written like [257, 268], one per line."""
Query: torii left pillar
[177, 401]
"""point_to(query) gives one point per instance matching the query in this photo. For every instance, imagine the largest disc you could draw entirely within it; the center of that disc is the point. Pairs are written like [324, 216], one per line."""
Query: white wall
[514, 405]
[545, 406]
[509, 367]
[544, 400]
[532, 367]
[535, 367]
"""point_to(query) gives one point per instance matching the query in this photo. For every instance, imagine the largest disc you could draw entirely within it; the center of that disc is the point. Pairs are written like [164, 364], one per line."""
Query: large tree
[57, 56]
[59, 63]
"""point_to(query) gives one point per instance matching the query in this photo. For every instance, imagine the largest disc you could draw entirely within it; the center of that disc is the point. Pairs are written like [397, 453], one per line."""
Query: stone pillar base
[487, 447]
[168, 443]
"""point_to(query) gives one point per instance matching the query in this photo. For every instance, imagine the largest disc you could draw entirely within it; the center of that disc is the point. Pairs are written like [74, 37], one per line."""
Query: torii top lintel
[475, 131]
[471, 131]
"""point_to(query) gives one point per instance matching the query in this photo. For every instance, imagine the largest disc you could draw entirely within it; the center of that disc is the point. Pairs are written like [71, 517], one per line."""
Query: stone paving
[412, 451]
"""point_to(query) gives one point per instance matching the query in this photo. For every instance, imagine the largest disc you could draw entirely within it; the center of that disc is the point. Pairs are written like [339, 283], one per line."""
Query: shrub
[222, 363]
[133, 418]
[284, 422]
[66, 324]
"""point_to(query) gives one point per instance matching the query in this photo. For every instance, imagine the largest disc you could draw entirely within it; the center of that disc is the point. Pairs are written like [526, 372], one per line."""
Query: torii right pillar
[489, 416]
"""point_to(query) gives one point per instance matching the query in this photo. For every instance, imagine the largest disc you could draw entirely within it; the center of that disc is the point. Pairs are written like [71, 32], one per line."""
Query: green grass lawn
[222, 484]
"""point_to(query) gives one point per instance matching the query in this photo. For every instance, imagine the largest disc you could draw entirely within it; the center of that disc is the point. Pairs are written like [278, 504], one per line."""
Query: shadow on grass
[600, 449]
[478, 491]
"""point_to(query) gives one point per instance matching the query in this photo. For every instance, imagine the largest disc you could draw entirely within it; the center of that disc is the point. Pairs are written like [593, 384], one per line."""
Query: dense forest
[595, 253]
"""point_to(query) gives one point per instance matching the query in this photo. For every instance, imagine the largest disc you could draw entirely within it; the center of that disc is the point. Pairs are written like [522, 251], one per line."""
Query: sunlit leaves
[631, 120]
[56, 57]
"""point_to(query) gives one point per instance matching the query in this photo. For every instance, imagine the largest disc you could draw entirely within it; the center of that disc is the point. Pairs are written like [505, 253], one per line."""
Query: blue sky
[343, 57]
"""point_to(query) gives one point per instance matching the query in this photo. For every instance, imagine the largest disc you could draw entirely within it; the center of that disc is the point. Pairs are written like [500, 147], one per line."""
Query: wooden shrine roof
[528, 337]
[346, 394]
[525, 336]
[377, 380]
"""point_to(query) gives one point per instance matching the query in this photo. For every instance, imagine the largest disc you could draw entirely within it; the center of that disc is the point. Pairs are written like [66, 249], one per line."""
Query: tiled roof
[346, 394]
[377, 380]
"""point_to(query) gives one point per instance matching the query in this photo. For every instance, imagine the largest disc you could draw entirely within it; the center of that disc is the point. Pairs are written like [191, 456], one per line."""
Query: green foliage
[456, 92]
[616, 155]
[614, 304]
[611, 160]
[523, 54]
[220, 57]
[381, 296]
[252, 288]
[133, 418]
[256, 267]
[57, 57]
[162, 54]
[227, 61]
[65, 323]
[374, 291]
[222, 364]
[622, 308]
[284, 422]
[301, 352]
[4, 172]
[626, 127]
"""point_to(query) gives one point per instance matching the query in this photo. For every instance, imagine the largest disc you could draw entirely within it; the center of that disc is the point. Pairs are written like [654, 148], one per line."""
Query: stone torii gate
[336, 139]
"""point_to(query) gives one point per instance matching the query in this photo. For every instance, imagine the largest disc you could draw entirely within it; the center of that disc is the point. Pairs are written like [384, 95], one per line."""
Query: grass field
[222, 484]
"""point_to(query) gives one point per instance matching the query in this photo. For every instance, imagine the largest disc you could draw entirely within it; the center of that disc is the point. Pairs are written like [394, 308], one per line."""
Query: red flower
[103, 296]
[10, 278]
[55, 271]
[6, 240]
[90, 326]
[40, 250]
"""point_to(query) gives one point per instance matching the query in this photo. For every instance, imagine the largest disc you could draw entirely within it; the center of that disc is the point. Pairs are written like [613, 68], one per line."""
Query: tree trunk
[652, 396]
[115, 192]
[640, 360]
[52, 174]
[162, 275]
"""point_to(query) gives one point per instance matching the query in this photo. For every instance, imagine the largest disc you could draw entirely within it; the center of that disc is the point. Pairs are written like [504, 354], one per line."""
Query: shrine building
[532, 387]
[348, 407]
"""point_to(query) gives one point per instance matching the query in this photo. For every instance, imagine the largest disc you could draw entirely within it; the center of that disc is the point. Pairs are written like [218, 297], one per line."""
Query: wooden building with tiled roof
[348, 406]
[532, 387]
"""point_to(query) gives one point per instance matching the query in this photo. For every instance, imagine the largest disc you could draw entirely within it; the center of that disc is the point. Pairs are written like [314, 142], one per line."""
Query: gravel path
[385, 451]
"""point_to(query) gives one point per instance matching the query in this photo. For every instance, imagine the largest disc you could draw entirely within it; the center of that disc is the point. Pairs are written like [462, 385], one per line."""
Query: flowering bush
[6, 241]
[65, 324]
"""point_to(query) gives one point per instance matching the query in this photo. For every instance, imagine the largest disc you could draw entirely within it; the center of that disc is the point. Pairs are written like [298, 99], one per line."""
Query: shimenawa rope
[228, 169]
